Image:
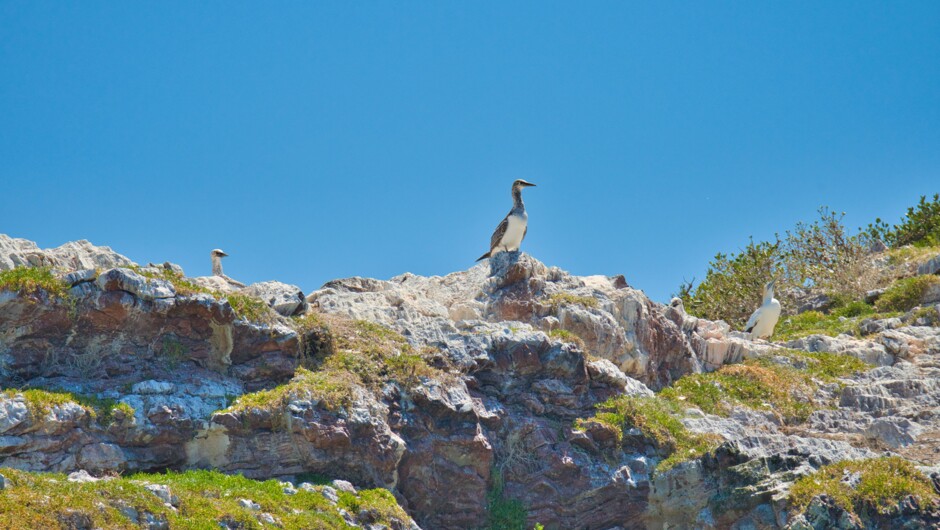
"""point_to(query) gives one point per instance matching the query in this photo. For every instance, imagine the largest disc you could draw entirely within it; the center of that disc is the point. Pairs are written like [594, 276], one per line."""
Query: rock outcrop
[518, 352]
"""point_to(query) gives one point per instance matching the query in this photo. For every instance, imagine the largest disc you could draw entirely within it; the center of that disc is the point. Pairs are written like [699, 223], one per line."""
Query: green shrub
[920, 226]
[733, 283]
[32, 280]
[906, 293]
[821, 256]
[882, 484]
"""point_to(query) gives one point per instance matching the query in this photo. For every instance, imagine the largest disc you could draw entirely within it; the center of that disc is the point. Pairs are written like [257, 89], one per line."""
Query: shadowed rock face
[504, 413]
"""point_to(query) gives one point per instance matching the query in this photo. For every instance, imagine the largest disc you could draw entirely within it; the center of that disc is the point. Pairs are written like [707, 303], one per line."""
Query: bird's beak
[527, 184]
[223, 254]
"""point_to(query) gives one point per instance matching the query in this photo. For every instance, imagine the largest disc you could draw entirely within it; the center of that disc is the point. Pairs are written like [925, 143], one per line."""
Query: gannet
[217, 256]
[510, 233]
[762, 322]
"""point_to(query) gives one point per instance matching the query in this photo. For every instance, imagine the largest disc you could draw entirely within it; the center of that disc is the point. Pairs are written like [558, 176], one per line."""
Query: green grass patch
[756, 385]
[334, 390]
[845, 319]
[657, 419]
[567, 336]
[33, 280]
[563, 299]
[38, 500]
[251, 309]
[882, 484]
[905, 294]
[824, 366]
[40, 402]
[502, 512]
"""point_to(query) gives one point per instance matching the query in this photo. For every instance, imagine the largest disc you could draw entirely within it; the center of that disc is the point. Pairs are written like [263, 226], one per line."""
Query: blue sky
[317, 140]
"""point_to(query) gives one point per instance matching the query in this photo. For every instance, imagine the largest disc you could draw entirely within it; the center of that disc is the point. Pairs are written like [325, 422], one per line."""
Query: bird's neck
[517, 203]
[768, 296]
[216, 266]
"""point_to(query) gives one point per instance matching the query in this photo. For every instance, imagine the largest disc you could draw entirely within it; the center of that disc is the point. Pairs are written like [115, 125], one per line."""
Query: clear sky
[317, 140]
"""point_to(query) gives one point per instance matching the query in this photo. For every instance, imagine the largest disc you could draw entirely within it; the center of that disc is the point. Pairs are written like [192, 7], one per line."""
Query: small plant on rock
[880, 485]
[32, 280]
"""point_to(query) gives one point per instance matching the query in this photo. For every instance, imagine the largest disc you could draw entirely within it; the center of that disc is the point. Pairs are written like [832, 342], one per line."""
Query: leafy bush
[919, 227]
[732, 286]
[820, 256]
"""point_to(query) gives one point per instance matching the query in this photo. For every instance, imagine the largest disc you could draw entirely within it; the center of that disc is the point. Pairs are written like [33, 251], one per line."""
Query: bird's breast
[514, 232]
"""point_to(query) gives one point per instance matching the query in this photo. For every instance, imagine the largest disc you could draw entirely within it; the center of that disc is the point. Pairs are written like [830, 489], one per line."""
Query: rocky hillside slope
[504, 396]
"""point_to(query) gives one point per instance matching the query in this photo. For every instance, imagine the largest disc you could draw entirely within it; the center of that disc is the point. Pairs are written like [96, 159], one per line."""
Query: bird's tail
[484, 256]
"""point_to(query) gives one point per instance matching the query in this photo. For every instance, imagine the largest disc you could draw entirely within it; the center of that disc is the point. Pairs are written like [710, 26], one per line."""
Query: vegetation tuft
[503, 513]
[877, 485]
[567, 336]
[761, 386]
[656, 419]
[40, 402]
[33, 280]
[842, 320]
[563, 299]
[905, 294]
[251, 309]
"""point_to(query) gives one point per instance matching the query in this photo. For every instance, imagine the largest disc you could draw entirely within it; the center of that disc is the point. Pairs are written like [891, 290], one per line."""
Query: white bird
[762, 322]
[510, 233]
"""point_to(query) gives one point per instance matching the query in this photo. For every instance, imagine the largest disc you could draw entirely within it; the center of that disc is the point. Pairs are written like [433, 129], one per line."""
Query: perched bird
[762, 322]
[217, 256]
[510, 233]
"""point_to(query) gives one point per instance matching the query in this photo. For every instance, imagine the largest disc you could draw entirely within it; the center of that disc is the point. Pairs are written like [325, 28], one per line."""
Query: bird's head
[519, 184]
[769, 286]
[218, 253]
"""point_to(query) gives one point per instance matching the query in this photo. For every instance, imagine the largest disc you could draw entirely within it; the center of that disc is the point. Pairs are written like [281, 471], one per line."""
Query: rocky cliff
[508, 394]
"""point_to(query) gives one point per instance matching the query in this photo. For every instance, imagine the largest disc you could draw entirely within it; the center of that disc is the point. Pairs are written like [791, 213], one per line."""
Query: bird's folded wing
[751, 322]
[499, 233]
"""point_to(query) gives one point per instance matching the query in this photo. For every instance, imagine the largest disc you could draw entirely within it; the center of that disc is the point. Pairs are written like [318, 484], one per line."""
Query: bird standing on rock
[762, 322]
[510, 233]
[217, 256]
